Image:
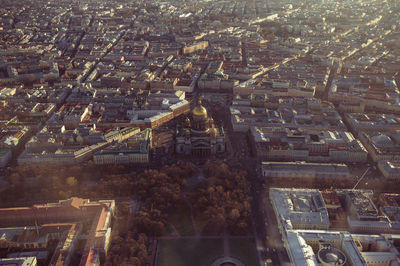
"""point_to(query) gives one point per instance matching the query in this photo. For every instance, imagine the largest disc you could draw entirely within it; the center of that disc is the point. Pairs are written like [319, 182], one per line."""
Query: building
[382, 146]
[299, 209]
[333, 205]
[39, 236]
[376, 92]
[319, 247]
[199, 136]
[285, 144]
[41, 256]
[309, 242]
[73, 114]
[360, 206]
[65, 221]
[362, 214]
[135, 149]
[25, 261]
[390, 208]
[303, 170]
[261, 110]
[313, 247]
[275, 87]
[378, 250]
[192, 47]
[54, 145]
[5, 156]
[299, 252]
[361, 122]
[389, 169]
[157, 108]
[389, 199]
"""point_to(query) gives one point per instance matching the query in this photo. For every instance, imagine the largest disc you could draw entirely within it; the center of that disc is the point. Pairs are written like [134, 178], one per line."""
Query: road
[332, 74]
[359, 180]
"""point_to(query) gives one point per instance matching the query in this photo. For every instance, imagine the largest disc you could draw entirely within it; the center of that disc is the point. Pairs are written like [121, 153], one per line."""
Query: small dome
[213, 132]
[331, 257]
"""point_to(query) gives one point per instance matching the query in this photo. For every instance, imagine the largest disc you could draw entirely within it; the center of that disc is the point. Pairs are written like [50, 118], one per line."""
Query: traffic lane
[274, 239]
[267, 230]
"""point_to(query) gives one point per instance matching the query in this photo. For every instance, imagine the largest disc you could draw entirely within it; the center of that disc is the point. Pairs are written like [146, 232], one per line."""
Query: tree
[135, 261]
[234, 214]
[71, 181]
[151, 222]
[161, 189]
[15, 179]
[224, 198]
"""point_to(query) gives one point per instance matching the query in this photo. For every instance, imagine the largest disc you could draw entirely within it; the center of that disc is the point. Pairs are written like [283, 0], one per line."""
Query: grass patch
[244, 250]
[201, 221]
[184, 252]
[182, 221]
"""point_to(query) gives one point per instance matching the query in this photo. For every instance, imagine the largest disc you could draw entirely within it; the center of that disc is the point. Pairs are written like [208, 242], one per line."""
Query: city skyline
[196, 133]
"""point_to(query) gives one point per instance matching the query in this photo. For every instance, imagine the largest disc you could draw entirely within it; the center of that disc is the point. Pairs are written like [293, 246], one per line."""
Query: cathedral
[199, 136]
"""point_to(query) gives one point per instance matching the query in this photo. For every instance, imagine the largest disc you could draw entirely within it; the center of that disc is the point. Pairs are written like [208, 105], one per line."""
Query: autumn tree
[150, 222]
[224, 199]
[71, 181]
[161, 189]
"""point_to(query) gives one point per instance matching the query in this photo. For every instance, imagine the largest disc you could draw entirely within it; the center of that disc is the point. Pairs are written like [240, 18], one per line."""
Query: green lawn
[244, 250]
[184, 252]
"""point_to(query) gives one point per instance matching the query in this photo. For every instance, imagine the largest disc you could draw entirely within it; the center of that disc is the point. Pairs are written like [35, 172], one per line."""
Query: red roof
[72, 210]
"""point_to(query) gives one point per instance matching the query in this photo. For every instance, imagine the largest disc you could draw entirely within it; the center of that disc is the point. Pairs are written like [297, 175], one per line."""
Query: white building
[333, 248]
[299, 208]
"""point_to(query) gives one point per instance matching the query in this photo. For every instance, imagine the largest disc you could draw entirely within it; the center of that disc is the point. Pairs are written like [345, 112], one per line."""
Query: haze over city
[199, 133]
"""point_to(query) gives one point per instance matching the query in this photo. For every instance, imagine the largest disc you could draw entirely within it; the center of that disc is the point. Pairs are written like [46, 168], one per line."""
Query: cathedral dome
[200, 110]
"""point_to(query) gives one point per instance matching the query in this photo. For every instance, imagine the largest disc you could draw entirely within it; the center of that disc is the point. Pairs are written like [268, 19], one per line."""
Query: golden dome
[200, 110]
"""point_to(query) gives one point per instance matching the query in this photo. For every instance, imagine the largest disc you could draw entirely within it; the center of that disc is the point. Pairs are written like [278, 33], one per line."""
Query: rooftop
[297, 208]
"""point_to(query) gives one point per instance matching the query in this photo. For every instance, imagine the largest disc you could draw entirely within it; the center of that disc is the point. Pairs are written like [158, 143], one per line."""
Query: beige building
[389, 169]
[285, 144]
[382, 146]
[136, 149]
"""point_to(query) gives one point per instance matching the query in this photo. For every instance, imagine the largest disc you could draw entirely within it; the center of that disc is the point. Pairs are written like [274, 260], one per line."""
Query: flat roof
[303, 206]
[4, 151]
